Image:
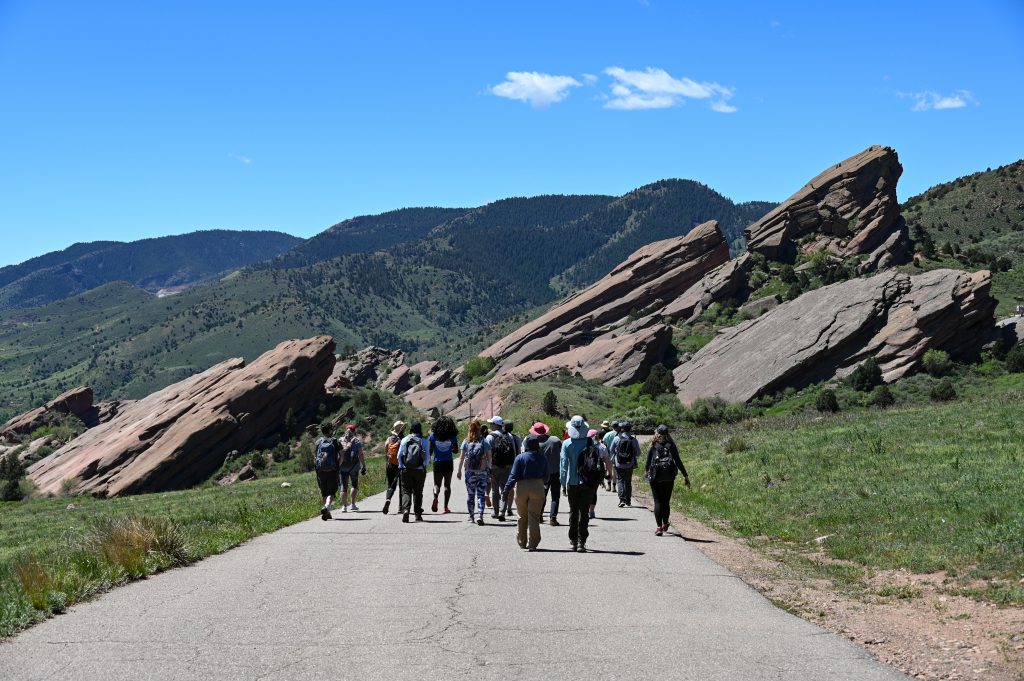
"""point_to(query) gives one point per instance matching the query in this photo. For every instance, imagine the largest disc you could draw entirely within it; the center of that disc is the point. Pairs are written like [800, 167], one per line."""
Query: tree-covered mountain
[150, 264]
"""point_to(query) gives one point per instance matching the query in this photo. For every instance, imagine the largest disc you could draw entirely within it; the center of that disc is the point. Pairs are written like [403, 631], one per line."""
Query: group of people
[506, 473]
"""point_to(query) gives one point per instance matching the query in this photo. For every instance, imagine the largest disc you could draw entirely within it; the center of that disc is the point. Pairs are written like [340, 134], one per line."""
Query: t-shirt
[443, 450]
[552, 449]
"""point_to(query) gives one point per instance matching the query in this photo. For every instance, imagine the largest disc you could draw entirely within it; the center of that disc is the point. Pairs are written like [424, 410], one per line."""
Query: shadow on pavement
[618, 553]
[615, 520]
[348, 520]
[695, 540]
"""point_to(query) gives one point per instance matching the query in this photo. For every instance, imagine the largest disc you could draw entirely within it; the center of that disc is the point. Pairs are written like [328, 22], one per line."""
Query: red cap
[350, 426]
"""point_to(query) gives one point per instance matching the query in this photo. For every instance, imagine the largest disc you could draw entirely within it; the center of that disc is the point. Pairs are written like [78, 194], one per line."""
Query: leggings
[443, 473]
[394, 479]
[476, 489]
[662, 492]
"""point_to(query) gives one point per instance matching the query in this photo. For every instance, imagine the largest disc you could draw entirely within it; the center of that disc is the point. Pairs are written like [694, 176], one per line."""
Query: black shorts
[443, 468]
[327, 481]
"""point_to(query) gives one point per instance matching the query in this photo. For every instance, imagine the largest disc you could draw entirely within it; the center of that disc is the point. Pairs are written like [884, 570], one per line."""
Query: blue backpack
[326, 457]
[474, 452]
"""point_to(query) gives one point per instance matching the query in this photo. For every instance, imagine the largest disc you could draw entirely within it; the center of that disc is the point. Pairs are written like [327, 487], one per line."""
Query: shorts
[327, 481]
[349, 477]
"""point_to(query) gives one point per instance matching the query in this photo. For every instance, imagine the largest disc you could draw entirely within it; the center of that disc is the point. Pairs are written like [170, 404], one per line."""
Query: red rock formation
[77, 401]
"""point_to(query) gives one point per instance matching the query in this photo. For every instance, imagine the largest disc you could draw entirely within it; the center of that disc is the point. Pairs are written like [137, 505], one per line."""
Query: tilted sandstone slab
[725, 282]
[398, 381]
[825, 333]
[77, 402]
[853, 201]
[648, 280]
[179, 436]
[364, 368]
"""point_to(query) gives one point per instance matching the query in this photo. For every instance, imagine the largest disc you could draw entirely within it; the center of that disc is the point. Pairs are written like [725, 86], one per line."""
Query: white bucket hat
[577, 428]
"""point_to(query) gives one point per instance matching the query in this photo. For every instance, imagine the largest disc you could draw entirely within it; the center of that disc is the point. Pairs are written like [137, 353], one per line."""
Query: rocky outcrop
[1010, 331]
[364, 368]
[825, 333]
[398, 381]
[851, 209]
[643, 284]
[756, 308]
[77, 402]
[725, 282]
[179, 436]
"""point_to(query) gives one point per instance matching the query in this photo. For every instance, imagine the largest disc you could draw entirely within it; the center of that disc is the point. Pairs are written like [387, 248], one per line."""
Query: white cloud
[928, 100]
[656, 89]
[589, 78]
[540, 90]
[242, 159]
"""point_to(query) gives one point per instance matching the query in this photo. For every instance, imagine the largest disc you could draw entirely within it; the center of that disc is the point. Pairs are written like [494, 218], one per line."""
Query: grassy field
[56, 552]
[923, 488]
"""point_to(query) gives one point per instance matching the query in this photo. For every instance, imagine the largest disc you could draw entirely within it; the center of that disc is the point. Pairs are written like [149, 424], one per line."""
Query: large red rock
[77, 402]
[364, 368]
[179, 436]
[826, 333]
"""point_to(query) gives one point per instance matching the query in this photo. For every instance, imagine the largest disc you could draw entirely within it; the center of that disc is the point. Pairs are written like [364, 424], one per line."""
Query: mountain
[432, 281]
[150, 264]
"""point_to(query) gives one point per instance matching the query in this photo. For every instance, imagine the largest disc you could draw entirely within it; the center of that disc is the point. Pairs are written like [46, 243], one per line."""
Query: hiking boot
[354, 507]
[387, 505]
[522, 545]
[660, 531]
[405, 517]
[480, 522]
[433, 506]
[554, 522]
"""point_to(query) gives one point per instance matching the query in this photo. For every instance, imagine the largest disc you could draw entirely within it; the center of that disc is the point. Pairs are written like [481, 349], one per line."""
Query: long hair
[665, 438]
[475, 431]
[444, 428]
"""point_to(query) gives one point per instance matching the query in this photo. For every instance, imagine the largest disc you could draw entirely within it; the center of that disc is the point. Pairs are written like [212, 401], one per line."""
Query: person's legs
[575, 511]
[481, 491]
[392, 474]
[620, 484]
[626, 475]
[522, 499]
[535, 497]
[500, 478]
[555, 489]
[354, 476]
[419, 478]
[443, 476]
[406, 505]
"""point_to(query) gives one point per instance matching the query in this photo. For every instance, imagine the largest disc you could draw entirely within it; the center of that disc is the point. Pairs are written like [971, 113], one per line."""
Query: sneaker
[592, 515]
[522, 546]
[405, 517]
[387, 505]
[622, 504]
[354, 508]
[629, 504]
[433, 506]
[419, 517]
[325, 513]
[501, 517]
[344, 509]
[658, 532]
[447, 510]
[582, 548]
[574, 546]
[495, 515]
[554, 522]
[480, 522]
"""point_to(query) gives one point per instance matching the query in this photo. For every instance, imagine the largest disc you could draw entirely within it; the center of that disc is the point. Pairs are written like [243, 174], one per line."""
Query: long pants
[555, 489]
[412, 489]
[580, 498]
[624, 485]
[661, 490]
[392, 472]
[530, 497]
[500, 477]
[443, 474]
[476, 490]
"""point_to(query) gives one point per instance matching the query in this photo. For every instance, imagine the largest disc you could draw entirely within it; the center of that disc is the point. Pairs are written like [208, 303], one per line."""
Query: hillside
[150, 264]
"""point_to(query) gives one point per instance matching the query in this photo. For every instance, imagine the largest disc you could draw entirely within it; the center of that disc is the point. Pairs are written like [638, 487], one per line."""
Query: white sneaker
[344, 509]
[354, 507]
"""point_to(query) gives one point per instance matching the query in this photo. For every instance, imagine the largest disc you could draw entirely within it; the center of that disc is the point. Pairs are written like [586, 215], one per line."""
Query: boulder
[364, 368]
[646, 282]
[77, 402]
[1011, 330]
[851, 208]
[756, 308]
[725, 282]
[398, 381]
[824, 334]
[445, 400]
[181, 435]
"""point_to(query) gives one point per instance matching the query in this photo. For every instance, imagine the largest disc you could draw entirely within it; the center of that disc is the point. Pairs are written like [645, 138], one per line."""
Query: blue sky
[138, 119]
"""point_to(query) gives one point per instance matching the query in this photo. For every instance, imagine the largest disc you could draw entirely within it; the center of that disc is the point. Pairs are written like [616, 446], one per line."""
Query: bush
[258, 461]
[282, 452]
[375, 404]
[550, 403]
[11, 473]
[734, 444]
[658, 382]
[787, 275]
[476, 367]
[936, 363]
[306, 452]
[707, 411]
[826, 401]
[943, 391]
[866, 376]
[882, 397]
[1015, 360]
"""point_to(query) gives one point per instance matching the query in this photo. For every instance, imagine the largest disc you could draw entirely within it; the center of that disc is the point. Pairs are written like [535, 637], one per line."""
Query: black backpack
[624, 452]
[326, 457]
[663, 465]
[414, 452]
[503, 450]
[590, 466]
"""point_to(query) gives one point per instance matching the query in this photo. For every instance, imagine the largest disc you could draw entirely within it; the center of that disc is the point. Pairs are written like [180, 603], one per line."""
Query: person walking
[412, 460]
[517, 445]
[503, 454]
[662, 463]
[528, 476]
[476, 459]
[443, 444]
[609, 475]
[580, 473]
[551, 448]
[325, 463]
[610, 435]
[625, 452]
[353, 462]
[391, 469]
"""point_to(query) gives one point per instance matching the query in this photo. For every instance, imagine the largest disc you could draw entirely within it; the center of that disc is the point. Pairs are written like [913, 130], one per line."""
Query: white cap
[496, 421]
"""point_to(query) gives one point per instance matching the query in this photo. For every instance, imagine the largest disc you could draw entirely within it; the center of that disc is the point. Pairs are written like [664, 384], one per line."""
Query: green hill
[151, 264]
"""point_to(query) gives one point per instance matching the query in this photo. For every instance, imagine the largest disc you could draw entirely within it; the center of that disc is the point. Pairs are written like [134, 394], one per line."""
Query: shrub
[1015, 360]
[706, 411]
[882, 397]
[734, 444]
[936, 363]
[550, 403]
[282, 452]
[476, 367]
[258, 461]
[787, 275]
[826, 401]
[943, 391]
[375, 404]
[866, 376]
[306, 451]
[658, 382]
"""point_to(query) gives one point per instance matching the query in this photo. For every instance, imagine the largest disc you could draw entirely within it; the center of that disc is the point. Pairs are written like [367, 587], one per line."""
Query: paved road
[365, 597]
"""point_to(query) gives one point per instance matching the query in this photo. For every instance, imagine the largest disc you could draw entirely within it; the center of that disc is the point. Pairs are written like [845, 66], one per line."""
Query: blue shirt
[569, 460]
[527, 466]
[401, 451]
[443, 450]
[615, 446]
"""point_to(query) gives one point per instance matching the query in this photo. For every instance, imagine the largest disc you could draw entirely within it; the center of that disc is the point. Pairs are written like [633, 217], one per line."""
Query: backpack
[326, 457]
[590, 466]
[663, 465]
[624, 452]
[474, 455]
[348, 453]
[502, 450]
[392, 446]
[414, 452]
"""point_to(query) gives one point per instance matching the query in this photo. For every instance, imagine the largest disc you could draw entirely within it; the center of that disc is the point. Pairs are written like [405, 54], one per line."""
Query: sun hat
[496, 421]
[577, 428]
[539, 428]
[398, 426]
[591, 433]
[605, 424]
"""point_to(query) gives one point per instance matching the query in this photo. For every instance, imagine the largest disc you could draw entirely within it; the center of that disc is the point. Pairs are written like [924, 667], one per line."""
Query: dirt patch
[903, 619]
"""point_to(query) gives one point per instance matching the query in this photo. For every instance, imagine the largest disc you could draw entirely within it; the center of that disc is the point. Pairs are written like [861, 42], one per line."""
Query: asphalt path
[366, 597]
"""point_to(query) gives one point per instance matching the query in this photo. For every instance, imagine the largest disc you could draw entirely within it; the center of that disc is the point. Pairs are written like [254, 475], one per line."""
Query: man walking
[528, 475]
[412, 460]
[625, 455]
[503, 453]
[551, 448]
[325, 463]
[577, 449]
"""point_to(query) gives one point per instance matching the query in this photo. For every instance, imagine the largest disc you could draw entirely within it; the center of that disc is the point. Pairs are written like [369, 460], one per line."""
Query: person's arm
[636, 452]
[362, 457]
[462, 457]
[647, 464]
[679, 464]
[563, 464]
[401, 453]
[517, 472]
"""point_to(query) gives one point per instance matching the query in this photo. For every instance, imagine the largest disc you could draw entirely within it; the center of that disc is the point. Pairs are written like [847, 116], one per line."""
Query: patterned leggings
[476, 487]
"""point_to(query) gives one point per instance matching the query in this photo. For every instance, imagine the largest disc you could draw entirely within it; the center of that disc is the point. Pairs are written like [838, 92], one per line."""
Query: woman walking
[391, 469]
[443, 443]
[662, 463]
[476, 459]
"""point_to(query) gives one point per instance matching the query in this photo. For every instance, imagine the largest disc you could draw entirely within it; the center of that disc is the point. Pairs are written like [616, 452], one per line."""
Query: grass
[57, 552]
[925, 488]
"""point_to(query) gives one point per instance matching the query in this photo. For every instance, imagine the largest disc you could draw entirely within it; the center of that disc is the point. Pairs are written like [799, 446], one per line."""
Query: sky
[128, 120]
